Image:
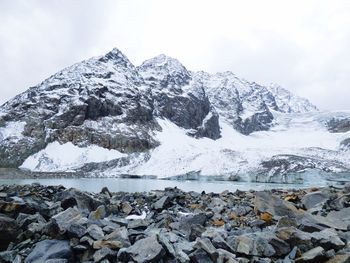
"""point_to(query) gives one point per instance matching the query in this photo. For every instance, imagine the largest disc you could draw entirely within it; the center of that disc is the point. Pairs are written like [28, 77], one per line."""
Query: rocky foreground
[55, 225]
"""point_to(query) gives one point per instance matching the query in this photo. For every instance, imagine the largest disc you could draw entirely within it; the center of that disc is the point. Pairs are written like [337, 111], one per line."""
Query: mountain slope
[161, 119]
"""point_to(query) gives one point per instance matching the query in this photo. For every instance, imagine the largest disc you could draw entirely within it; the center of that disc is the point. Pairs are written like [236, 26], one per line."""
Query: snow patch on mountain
[12, 130]
[236, 154]
[58, 157]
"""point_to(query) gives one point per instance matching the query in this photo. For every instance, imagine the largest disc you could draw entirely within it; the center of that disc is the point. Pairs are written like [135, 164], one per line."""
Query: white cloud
[302, 45]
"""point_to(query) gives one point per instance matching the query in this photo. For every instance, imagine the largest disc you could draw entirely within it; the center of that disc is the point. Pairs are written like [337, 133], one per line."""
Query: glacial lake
[141, 185]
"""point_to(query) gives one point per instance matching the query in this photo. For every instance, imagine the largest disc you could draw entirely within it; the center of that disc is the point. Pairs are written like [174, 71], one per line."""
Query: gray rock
[208, 247]
[225, 256]
[138, 224]
[335, 219]
[23, 220]
[104, 253]
[328, 239]
[312, 199]
[186, 222]
[340, 258]
[50, 250]
[126, 208]
[98, 214]
[314, 255]
[201, 256]
[76, 230]
[252, 245]
[8, 231]
[119, 234]
[66, 218]
[144, 250]
[73, 197]
[266, 202]
[95, 232]
[8, 256]
[165, 242]
[161, 203]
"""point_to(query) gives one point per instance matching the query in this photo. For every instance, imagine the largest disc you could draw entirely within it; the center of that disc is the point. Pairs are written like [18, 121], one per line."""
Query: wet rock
[50, 250]
[144, 250]
[9, 230]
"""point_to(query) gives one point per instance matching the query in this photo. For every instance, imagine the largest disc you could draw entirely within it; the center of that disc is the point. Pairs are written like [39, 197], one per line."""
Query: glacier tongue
[238, 157]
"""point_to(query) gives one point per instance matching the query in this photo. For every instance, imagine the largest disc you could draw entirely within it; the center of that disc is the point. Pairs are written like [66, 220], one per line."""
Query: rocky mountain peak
[117, 57]
[288, 102]
[166, 71]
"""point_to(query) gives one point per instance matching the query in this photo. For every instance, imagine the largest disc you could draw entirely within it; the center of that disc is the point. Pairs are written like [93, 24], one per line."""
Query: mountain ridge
[108, 102]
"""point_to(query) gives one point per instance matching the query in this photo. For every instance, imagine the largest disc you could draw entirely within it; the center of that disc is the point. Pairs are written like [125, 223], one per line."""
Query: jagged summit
[117, 57]
[164, 70]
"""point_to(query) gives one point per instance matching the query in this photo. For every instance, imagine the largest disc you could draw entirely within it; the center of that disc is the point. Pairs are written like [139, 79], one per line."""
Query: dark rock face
[338, 125]
[260, 121]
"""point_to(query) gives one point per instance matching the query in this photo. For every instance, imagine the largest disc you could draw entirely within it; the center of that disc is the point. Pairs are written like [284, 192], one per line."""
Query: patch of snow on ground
[64, 157]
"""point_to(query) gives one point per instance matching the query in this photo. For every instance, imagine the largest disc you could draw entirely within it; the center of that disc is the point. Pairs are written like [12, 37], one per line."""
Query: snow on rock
[237, 155]
[167, 121]
[64, 157]
[12, 130]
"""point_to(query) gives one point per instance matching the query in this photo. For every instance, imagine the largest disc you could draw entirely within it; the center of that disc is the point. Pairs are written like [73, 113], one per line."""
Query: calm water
[141, 185]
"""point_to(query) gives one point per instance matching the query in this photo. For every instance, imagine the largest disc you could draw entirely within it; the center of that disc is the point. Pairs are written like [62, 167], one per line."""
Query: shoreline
[278, 225]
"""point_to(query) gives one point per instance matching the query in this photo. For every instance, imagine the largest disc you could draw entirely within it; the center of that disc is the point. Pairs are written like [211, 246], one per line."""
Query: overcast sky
[302, 45]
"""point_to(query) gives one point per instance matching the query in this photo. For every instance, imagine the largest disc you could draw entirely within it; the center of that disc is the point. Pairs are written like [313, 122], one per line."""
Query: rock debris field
[53, 224]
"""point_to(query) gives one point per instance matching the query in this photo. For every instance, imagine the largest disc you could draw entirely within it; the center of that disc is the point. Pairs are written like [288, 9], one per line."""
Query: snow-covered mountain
[106, 117]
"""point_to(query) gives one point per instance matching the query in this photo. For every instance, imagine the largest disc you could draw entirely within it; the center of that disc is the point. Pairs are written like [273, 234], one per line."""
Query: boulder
[314, 255]
[143, 251]
[266, 202]
[73, 197]
[50, 250]
[9, 230]
[312, 199]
